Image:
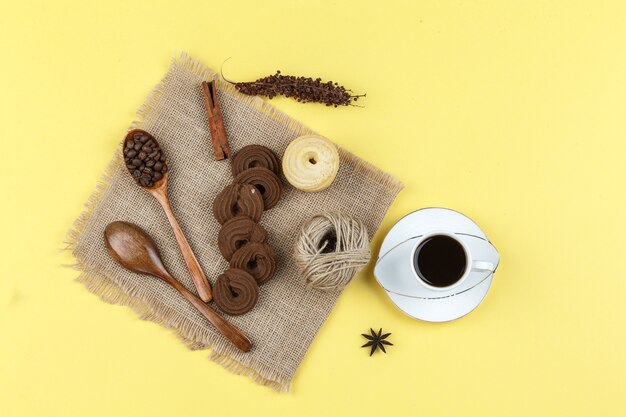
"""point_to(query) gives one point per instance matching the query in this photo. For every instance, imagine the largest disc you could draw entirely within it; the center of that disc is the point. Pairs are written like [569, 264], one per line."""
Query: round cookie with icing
[258, 259]
[265, 181]
[238, 200]
[235, 292]
[237, 232]
[254, 156]
[311, 163]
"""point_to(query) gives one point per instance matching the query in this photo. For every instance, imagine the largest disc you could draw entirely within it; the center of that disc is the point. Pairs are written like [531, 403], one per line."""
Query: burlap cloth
[287, 315]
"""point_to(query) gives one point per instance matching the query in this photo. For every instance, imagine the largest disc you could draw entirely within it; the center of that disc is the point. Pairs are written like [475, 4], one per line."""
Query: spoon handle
[228, 330]
[197, 275]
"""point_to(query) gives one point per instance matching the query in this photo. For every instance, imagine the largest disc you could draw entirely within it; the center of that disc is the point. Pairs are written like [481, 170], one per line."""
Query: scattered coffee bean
[144, 160]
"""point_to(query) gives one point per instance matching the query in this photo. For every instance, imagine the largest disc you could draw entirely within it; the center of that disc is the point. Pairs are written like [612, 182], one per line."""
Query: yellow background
[511, 112]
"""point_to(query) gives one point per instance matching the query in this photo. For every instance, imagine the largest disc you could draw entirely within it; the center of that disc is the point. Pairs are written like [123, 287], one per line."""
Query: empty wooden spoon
[155, 181]
[132, 248]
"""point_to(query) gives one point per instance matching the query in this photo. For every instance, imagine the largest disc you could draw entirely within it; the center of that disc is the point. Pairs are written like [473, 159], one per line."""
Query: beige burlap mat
[287, 315]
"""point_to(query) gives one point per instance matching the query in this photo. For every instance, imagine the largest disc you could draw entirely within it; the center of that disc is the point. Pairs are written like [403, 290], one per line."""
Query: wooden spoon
[159, 191]
[132, 248]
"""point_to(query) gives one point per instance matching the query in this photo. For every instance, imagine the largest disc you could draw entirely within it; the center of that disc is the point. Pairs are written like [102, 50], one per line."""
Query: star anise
[377, 340]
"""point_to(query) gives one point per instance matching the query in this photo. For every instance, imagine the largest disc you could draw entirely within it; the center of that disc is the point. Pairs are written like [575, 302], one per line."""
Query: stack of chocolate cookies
[238, 208]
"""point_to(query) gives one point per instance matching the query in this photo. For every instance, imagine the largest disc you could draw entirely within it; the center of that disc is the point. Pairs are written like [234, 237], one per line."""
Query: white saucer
[394, 274]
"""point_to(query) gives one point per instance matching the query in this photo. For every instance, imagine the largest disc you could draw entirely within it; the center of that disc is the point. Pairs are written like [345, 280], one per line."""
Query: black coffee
[440, 261]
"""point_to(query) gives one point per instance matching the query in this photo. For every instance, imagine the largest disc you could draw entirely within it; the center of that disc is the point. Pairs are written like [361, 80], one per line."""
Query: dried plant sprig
[303, 89]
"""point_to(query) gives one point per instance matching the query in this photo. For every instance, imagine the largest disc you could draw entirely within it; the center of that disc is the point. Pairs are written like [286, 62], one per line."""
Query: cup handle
[482, 266]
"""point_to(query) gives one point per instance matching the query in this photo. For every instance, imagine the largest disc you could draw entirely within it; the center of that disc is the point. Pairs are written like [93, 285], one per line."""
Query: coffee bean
[143, 158]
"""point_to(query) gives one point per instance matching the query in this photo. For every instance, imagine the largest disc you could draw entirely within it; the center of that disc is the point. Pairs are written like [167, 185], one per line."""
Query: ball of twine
[331, 249]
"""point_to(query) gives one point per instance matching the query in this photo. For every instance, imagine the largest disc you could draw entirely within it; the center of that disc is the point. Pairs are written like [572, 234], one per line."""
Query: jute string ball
[331, 249]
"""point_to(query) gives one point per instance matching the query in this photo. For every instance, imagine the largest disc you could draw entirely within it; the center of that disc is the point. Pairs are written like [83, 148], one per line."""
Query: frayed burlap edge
[109, 292]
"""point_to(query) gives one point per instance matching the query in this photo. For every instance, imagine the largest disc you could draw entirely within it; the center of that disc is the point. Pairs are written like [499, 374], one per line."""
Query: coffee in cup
[441, 261]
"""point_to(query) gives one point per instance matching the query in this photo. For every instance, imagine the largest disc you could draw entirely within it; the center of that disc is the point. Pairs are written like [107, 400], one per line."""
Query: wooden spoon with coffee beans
[148, 166]
[132, 248]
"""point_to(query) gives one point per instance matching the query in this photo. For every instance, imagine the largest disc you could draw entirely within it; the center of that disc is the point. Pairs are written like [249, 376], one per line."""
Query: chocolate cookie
[235, 292]
[258, 259]
[253, 156]
[265, 181]
[238, 200]
[236, 232]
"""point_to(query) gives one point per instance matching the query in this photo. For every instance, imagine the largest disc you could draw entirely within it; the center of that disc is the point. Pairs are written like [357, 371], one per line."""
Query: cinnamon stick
[221, 148]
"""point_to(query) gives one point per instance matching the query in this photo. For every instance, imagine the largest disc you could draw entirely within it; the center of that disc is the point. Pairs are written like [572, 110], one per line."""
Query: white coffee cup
[470, 263]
